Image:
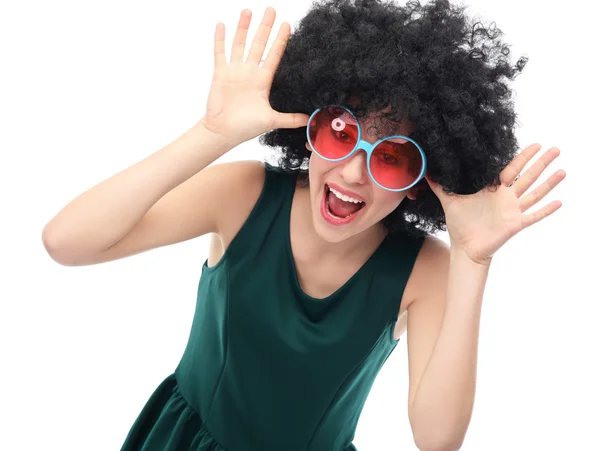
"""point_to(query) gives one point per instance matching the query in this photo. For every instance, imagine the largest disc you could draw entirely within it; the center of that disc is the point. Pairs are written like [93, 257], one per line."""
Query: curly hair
[430, 64]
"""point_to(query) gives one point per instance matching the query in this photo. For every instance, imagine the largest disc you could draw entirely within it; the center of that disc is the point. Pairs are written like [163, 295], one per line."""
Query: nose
[355, 169]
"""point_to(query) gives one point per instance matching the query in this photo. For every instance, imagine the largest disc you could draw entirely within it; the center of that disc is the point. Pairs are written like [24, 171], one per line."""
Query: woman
[313, 275]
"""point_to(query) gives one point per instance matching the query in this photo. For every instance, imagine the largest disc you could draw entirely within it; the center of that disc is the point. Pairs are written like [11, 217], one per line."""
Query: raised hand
[479, 224]
[238, 105]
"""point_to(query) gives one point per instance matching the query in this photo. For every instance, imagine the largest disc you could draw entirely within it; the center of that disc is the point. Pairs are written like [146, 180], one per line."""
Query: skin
[356, 241]
[440, 307]
[346, 248]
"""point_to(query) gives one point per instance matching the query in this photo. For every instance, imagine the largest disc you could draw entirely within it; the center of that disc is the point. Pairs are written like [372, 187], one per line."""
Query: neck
[358, 246]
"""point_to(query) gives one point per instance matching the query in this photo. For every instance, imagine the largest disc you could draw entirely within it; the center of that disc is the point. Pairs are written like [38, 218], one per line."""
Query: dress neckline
[292, 264]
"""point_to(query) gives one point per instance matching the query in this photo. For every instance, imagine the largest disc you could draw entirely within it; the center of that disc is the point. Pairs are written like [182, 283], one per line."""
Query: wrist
[216, 138]
[459, 254]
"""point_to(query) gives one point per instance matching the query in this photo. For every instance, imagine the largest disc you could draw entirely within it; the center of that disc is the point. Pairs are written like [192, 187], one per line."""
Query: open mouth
[339, 209]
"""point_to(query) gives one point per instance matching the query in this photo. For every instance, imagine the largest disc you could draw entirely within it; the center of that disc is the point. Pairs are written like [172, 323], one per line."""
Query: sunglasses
[395, 163]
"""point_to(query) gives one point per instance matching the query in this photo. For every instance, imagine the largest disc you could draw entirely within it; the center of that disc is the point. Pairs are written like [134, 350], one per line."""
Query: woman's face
[350, 177]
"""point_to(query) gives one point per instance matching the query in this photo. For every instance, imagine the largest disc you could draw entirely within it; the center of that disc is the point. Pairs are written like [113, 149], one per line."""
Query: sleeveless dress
[267, 367]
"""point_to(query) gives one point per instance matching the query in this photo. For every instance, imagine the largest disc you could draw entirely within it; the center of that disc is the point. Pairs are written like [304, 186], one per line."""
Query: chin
[330, 232]
[328, 235]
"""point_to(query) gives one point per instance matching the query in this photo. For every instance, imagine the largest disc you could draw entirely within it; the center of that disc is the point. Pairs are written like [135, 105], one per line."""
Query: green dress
[267, 367]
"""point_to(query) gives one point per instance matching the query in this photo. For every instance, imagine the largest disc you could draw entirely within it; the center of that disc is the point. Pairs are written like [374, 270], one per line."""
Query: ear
[307, 146]
[417, 190]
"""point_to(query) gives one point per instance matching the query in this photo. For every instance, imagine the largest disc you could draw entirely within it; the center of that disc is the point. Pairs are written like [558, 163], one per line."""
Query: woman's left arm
[443, 318]
[442, 336]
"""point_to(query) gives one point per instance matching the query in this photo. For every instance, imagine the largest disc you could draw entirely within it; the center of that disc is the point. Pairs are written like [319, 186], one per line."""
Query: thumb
[291, 120]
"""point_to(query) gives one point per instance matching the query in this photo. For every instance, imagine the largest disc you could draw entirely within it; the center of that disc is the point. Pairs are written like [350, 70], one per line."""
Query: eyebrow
[383, 130]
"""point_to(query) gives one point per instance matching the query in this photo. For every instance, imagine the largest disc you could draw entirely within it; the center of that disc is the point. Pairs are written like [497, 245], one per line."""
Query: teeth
[344, 197]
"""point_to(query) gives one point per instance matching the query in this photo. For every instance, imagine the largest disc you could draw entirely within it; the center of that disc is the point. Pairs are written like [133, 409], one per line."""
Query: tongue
[341, 208]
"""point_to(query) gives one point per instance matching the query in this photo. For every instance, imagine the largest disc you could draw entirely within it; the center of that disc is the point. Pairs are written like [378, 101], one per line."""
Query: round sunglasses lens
[396, 163]
[333, 132]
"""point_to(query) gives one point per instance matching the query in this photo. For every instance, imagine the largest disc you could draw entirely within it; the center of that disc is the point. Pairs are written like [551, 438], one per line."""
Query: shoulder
[434, 248]
[430, 270]
[240, 184]
[242, 187]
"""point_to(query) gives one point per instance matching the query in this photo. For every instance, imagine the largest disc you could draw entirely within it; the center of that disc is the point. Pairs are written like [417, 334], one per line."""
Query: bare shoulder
[247, 180]
[430, 269]
[433, 250]
[212, 201]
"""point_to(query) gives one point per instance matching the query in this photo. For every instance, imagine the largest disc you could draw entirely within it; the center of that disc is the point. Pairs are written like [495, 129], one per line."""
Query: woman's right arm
[152, 201]
[172, 195]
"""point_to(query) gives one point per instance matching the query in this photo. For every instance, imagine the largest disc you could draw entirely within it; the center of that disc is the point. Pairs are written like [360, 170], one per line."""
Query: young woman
[406, 125]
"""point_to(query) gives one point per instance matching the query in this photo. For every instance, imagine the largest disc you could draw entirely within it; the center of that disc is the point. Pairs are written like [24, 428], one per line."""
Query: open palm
[481, 223]
[238, 105]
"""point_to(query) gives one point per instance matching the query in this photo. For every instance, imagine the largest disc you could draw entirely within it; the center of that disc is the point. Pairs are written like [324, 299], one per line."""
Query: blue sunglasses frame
[368, 148]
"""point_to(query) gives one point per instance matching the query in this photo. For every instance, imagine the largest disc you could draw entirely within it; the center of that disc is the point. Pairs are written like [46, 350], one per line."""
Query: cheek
[388, 202]
[315, 171]
[312, 167]
[317, 166]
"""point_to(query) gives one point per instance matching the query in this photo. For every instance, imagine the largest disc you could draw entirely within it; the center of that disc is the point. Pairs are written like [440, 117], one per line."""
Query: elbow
[438, 444]
[444, 432]
[429, 440]
[49, 243]
[53, 249]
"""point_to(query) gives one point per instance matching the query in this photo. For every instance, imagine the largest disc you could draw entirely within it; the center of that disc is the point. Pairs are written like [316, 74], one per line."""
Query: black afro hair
[431, 64]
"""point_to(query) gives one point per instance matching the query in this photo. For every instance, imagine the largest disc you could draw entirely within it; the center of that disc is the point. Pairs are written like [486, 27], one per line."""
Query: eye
[342, 131]
[342, 136]
[387, 158]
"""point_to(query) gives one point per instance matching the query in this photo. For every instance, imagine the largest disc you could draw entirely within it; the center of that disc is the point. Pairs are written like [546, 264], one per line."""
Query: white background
[89, 88]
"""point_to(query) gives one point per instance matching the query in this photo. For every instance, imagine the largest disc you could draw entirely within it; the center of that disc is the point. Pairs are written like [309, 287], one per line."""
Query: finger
[277, 48]
[239, 40]
[290, 120]
[537, 216]
[262, 36]
[534, 172]
[220, 59]
[540, 192]
[514, 168]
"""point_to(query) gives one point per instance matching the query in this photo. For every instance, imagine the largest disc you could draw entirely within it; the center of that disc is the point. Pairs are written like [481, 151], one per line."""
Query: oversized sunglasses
[395, 163]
